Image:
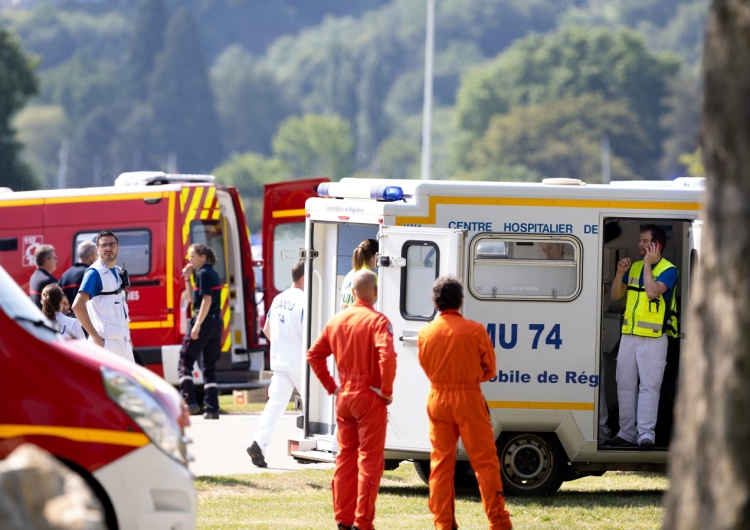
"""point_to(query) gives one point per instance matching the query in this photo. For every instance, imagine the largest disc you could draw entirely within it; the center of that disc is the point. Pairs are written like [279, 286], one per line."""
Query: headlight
[142, 405]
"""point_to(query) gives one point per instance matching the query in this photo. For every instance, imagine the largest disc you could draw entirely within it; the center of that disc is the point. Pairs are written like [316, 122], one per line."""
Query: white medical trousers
[280, 390]
[122, 347]
[640, 369]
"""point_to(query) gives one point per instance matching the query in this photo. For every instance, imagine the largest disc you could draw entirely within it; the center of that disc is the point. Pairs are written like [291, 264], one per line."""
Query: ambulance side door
[410, 261]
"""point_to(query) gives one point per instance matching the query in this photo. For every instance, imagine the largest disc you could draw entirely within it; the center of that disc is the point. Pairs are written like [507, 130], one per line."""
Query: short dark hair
[43, 253]
[447, 293]
[657, 234]
[298, 270]
[106, 233]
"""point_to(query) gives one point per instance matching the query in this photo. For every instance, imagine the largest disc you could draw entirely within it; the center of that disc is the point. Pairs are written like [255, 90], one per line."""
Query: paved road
[219, 447]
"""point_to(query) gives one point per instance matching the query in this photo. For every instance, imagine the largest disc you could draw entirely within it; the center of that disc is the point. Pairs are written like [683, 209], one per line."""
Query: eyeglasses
[107, 245]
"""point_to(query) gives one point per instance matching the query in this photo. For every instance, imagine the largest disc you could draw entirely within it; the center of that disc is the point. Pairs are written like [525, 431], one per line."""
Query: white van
[552, 321]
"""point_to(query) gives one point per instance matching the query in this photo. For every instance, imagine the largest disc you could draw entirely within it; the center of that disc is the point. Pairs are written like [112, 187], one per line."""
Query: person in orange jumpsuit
[457, 355]
[361, 341]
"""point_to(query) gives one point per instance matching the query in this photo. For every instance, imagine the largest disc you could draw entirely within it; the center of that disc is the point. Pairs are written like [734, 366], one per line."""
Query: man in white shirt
[283, 329]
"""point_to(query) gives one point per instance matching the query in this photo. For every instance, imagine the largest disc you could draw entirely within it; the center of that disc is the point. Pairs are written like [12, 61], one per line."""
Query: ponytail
[52, 296]
[203, 250]
[364, 253]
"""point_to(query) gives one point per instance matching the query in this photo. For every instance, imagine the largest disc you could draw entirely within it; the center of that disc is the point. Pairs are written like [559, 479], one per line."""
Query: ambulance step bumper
[314, 456]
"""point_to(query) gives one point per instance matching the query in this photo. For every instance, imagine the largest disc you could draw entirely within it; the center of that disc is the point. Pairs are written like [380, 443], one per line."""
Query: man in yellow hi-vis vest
[650, 315]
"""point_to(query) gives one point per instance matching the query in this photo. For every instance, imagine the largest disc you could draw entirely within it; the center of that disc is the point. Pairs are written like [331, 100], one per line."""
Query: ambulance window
[210, 234]
[530, 268]
[421, 271]
[135, 249]
[288, 238]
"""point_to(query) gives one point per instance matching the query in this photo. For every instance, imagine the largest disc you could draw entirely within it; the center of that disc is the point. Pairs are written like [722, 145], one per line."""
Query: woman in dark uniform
[204, 334]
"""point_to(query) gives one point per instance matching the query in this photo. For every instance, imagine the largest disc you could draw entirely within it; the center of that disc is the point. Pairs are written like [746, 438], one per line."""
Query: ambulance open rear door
[410, 261]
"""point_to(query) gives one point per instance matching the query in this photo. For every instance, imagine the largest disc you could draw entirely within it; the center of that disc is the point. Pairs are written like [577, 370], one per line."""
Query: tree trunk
[710, 459]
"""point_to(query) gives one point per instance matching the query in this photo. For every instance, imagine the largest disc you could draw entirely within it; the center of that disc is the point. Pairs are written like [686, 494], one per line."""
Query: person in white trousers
[283, 329]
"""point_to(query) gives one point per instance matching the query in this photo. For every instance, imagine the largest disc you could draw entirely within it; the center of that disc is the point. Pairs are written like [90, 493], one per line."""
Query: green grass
[302, 500]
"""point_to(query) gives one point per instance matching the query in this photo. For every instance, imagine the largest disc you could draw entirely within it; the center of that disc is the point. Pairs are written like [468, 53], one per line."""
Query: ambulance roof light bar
[378, 192]
[153, 178]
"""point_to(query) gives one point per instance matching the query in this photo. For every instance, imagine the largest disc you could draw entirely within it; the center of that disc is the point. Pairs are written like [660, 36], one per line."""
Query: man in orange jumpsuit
[457, 355]
[361, 341]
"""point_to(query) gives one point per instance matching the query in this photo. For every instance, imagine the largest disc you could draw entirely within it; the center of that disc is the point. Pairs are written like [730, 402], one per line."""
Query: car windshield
[18, 306]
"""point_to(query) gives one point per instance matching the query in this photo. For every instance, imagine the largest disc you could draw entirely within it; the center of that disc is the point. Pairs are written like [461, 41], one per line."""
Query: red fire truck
[156, 217]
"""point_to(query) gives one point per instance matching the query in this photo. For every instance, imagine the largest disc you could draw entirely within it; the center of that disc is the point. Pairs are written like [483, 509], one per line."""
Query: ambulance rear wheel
[422, 467]
[531, 464]
[463, 476]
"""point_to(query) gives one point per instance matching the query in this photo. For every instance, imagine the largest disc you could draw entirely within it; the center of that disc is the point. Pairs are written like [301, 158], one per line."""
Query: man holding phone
[650, 316]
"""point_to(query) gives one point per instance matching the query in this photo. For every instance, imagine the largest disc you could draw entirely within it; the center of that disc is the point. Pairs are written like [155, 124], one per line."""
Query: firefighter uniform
[361, 341]
[208, 343]
[457, 355]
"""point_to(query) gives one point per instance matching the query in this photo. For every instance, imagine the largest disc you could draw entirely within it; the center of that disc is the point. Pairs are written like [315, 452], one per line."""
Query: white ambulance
[554, 326]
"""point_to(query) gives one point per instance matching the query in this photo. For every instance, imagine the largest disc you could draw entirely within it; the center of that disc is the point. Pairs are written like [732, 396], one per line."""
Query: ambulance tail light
[378, 192]
[145, 408]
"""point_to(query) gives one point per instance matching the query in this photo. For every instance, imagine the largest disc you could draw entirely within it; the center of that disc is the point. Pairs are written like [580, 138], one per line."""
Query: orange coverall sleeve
[316, 357]
[486, 355]
[386, 355]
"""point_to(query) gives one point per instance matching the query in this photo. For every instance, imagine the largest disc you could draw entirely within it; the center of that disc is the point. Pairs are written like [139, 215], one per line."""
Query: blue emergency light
[378, 192]
[387, 193]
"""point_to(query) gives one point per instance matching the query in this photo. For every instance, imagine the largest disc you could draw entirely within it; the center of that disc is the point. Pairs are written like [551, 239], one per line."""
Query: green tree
[571, 62]
[90, 161]
[563, 139]
[249, 172]
[80, 85]
[17, 84]
[681, 122]
[182, 104]
[145, 44]
[42, 130]
[44, 33]
[249, 101]
[315, 145]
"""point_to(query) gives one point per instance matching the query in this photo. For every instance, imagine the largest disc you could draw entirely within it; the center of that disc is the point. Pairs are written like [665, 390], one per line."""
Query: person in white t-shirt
[53, 299]
[283, 329]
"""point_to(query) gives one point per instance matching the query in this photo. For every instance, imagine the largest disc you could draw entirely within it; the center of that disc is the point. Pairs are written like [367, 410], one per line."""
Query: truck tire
[531, 464]
[463, 476]
[422, 467]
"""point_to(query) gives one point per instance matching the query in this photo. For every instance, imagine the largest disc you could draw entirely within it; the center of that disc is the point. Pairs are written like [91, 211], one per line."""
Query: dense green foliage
[17, 83]
[194, 86]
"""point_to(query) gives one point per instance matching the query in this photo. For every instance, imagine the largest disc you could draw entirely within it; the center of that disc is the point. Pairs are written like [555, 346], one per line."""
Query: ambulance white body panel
[550, 317]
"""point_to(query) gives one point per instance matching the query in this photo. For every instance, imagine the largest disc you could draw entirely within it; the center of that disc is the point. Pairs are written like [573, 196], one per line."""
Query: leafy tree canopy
[182, 101]
[562, 139]
[17, 84]
[315, 146]
[569, 62]
[249, 172]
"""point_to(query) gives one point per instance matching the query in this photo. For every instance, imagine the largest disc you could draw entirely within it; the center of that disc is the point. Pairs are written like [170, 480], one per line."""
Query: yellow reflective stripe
[207, 212]
[170, 253]
[547, 203]
[153, 324]
[77, 434]
[226, 315]
[79, 199]
[288, 213]
[546, 405]
[648, 325]
[192, 213]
